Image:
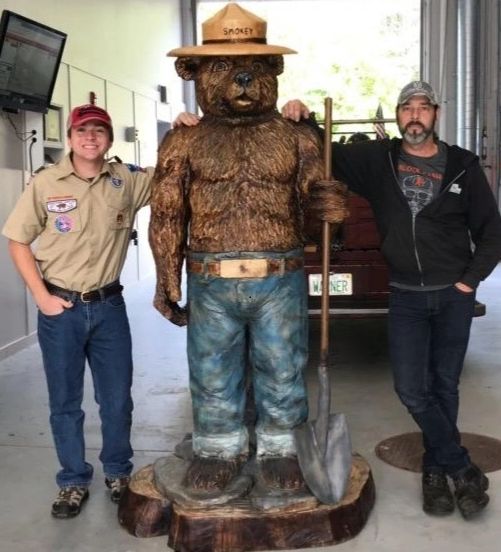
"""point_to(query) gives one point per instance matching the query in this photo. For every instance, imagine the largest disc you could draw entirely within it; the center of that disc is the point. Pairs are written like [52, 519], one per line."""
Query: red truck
[359, 275]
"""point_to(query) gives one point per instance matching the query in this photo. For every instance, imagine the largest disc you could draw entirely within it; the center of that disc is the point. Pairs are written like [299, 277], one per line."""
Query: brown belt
[85, 296]
[245, 268]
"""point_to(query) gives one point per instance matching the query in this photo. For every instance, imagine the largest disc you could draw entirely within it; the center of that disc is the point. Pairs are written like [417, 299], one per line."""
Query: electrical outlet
[131, 134]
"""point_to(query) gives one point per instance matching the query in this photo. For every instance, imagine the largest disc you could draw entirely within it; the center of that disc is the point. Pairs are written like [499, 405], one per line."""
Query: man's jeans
[99, 333]
[428, 337]
[239, 322]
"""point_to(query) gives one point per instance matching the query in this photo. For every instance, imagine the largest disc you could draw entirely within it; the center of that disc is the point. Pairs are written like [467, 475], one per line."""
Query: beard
[418, 134]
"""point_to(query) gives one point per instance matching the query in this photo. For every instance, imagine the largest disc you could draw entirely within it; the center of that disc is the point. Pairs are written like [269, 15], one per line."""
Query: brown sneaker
[69, 502]
[117, 486]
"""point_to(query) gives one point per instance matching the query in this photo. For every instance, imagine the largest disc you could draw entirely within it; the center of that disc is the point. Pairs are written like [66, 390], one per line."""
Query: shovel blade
[326, 472]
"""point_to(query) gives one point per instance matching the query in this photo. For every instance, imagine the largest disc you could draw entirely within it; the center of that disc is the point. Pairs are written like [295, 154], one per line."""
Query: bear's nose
[243, 79]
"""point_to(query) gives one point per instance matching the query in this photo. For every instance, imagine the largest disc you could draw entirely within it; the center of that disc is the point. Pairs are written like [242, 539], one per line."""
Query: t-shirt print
[419, 184]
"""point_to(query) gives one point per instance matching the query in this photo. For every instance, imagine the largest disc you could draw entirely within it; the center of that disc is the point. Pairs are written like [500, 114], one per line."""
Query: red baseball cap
[84, 113]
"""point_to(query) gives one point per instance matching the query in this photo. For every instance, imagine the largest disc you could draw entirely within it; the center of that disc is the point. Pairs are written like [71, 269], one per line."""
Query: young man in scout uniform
[81, 210]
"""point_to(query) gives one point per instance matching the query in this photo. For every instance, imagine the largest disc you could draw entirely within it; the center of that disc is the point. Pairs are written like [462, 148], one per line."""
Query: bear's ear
[277, 64]
[187, 67]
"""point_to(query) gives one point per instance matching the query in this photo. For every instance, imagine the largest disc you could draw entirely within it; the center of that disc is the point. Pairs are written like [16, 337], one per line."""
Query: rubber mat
[405, 451]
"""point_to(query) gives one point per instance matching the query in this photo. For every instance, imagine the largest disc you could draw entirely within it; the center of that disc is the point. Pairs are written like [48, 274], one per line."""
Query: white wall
[122, 40]
[115, 49]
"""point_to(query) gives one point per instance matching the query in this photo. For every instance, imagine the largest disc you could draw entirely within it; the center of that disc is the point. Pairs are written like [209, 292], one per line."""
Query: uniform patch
[63, 223]
[455, 188]
[116, 182]
[61, 206]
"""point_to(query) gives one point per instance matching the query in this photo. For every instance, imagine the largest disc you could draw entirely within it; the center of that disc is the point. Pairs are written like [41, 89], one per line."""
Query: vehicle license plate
[339, 284]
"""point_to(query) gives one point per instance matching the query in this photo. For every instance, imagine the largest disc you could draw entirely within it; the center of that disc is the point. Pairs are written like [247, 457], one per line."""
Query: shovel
[323, 445]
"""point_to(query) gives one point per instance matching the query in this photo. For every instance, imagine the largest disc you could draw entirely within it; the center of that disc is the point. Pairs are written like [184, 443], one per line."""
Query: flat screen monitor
[30, 54]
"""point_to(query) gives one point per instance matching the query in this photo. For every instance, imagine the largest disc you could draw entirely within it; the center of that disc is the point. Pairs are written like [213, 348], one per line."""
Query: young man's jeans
[235, 321]
[99, 333]
[428, 336]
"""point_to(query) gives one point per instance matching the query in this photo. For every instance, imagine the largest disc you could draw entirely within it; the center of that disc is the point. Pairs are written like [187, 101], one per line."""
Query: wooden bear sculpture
[230, 196]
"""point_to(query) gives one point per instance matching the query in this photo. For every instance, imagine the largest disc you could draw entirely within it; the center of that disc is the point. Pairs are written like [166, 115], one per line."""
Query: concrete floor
[363, 391]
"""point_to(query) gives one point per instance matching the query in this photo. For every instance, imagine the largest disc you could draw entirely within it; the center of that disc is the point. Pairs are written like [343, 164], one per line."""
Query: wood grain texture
[244, 528]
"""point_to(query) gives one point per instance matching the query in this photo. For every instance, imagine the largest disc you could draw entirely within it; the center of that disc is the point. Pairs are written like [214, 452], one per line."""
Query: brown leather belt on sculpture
[245, 268]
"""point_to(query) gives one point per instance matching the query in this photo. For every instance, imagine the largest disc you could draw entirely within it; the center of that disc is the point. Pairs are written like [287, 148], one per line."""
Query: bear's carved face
[233, 86]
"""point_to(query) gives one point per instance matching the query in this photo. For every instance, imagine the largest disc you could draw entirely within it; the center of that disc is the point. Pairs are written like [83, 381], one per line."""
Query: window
[360, 62]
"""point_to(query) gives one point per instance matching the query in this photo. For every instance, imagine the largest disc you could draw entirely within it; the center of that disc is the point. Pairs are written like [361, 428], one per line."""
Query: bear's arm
[321, 199]
[311, 159]
[168, 223]
[311, 170]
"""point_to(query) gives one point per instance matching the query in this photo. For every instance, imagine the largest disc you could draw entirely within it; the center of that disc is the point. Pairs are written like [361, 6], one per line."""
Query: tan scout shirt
[83, 227]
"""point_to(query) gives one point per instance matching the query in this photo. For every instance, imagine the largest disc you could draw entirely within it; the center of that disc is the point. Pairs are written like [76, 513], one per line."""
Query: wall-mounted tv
[30, 54]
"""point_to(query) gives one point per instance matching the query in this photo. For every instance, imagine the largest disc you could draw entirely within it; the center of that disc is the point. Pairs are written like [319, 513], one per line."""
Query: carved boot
[281, 472]
[211, 473]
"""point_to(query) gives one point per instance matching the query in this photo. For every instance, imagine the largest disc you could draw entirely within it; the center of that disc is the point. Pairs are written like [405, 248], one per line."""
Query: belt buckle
[82, 293]
[243, 268]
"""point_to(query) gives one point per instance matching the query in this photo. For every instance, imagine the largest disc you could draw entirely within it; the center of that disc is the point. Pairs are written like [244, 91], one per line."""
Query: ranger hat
[84, 113]
[232, 31]
[417, 88]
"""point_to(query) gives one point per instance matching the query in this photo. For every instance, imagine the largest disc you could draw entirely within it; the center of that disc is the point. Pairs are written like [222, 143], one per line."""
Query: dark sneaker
[117, 486]
[69, 502]
[437, 497]
[471, 485]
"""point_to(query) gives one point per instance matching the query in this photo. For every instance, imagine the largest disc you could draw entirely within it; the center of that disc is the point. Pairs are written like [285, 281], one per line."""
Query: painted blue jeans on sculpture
[99, 333]
[428, 337]
[237, 324]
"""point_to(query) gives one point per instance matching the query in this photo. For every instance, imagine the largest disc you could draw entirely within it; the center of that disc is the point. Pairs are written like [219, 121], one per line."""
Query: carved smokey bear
[230, 195]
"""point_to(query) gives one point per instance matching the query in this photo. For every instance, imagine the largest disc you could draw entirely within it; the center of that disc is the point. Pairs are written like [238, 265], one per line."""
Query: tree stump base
[142, 510]
[241, 527]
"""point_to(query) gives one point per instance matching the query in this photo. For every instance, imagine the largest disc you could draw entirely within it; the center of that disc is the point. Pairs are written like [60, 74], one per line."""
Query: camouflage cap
[417, 88]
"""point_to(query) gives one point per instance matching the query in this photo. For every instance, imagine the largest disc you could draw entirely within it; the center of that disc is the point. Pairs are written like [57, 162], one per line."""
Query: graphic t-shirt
[421, 177]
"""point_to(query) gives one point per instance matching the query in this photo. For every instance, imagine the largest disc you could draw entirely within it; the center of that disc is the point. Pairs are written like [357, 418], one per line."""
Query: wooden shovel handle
[326, 238]
[324, 390]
